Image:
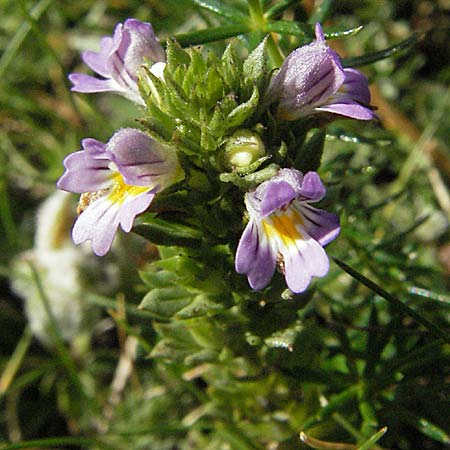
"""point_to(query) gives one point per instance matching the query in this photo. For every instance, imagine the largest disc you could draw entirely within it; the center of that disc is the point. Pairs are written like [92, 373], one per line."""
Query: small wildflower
[284, 229]
[119, 60]
[119, 180]
[312, 80]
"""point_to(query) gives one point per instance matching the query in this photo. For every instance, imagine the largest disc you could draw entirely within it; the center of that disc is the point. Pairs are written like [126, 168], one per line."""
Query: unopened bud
[243, 148]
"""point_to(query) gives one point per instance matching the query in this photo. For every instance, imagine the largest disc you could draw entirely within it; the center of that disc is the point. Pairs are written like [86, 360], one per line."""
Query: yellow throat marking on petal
[283, 224]
[120, 191]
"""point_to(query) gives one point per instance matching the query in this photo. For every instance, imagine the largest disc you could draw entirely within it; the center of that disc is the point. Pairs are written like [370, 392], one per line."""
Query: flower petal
[356, 86]
[309, 76]
[98, 62]
[139, 158]
[246, 251]
[84, 174]
[87, 84]
[352, 110]
[302, 262]
[134, 206]
[312, 189]
[145, 44]
[276, 196]
[98, 223]
[263, 267]
[94, 149]
[320, 225]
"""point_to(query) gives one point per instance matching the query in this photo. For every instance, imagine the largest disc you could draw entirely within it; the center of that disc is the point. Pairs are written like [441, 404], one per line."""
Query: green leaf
[166, 302]
[307, 31]
[199, 306]
[336, 33]
[157, 279]
[370, 58]
[321, 12]
[373, 440]
[176, 56]
[223, 9]
[293, 28]
[425, 427]
[310, 155]
[397, 304]
[231, 67]
[429, 295]
[334, 404]
[244, 111]
[62, 441]
[255, 67]
[346, 136]
[159, 122]
[206, 333]
[164, 232]
[252, 179]
[433, 431]
[214, 86]
[284, 338]
[212, 34]
[278, 8]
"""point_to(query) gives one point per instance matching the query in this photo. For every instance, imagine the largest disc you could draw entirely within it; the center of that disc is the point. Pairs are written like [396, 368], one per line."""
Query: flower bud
[242, 149]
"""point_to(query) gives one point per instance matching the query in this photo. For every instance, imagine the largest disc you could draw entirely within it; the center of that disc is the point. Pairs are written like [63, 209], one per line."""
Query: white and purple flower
[117, 180]
[284, 228]
[312, 80]
[119, 60]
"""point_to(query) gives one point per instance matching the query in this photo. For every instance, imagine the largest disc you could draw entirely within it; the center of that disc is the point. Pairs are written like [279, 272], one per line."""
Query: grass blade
[373, 440]
[400, 306]
[370, 58]
[211, 34]
[222, 9]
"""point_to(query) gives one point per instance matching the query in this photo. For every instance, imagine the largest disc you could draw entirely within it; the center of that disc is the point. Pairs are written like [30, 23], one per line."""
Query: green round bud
[242, 149]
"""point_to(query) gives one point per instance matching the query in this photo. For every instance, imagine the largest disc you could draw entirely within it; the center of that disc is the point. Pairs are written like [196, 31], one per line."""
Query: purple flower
[284, 228]
[117, 180]
[119, 60]
[312, 80]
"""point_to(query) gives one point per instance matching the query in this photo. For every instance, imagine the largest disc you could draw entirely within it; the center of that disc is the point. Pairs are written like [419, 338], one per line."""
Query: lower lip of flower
[120, 191]
[284, 225]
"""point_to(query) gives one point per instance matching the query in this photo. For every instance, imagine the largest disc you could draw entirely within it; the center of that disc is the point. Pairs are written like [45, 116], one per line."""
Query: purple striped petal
[87, 84]
[321, 225]
[309, 76]
[84, 174]
[352, 110]
[356, 86]
[139, 158]
[263, 267]
[246, 251]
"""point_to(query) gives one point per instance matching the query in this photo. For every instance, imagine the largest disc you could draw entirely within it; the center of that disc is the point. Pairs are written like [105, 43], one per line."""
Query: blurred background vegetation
[371, 364]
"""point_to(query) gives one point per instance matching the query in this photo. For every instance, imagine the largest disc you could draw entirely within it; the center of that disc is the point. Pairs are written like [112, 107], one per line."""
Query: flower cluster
[118, 180]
